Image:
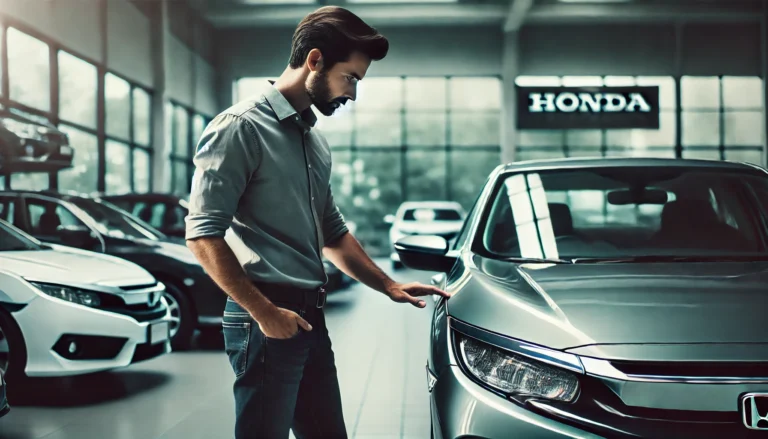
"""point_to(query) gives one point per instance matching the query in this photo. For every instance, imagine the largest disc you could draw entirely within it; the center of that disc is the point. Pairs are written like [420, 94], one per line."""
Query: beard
[319, 91]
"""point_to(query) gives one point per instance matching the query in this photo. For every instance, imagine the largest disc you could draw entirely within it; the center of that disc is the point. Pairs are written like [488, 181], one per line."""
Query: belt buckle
[321, 296]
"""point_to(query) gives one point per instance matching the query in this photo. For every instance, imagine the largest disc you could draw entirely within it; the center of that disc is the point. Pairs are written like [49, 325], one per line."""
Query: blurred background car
[65, 311]
[30, 143]
[166, 213]
[442, 218]
[88, 223]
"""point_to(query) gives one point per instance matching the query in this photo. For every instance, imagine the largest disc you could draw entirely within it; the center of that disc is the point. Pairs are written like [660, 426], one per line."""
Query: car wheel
[13, 351]
[182, 317]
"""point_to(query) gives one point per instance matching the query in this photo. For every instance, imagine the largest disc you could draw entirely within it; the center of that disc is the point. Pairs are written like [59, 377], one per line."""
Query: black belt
[291, 295]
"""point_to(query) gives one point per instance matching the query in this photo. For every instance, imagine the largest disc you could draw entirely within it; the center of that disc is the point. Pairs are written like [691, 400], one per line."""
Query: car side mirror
[389, 219]
[425, 252]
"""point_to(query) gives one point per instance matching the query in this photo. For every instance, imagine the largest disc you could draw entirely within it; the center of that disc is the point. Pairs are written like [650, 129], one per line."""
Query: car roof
[156, 196]
[600, 162]
[47, 193]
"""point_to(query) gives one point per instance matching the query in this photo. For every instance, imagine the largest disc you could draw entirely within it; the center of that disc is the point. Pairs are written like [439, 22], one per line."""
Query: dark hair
[336, 32]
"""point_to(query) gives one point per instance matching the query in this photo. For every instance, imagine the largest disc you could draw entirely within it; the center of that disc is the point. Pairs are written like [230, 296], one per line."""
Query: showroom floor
[380, 352]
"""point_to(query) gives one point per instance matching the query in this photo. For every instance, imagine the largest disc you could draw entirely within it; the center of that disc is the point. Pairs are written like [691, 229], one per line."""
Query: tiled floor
[380, 351]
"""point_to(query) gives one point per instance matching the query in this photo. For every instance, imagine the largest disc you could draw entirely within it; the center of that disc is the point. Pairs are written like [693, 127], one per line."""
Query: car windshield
[112, 221]
[430, 214]
[627, 212]
[12, 239]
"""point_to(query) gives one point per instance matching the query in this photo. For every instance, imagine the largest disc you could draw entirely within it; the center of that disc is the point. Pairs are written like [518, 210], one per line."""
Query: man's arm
[227, 156]
[349, 256]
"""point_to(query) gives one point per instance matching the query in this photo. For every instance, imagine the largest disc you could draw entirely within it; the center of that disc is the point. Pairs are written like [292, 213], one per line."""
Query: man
[261, 216]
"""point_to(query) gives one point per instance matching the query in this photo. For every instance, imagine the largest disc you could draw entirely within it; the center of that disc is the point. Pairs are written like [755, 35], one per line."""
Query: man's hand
[409, 293]
[283, 324]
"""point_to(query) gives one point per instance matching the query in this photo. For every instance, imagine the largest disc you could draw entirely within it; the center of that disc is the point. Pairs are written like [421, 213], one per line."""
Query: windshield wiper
[672, 258]
[536, 260]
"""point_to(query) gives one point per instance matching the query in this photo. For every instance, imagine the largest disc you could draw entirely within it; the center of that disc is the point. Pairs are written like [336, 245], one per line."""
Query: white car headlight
[69, 294]
[515, 374]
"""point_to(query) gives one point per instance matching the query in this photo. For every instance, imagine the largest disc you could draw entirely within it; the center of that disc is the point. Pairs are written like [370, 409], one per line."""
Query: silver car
[603, 298]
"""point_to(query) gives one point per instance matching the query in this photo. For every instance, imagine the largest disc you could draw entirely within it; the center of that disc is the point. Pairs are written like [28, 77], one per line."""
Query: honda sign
[555, 108]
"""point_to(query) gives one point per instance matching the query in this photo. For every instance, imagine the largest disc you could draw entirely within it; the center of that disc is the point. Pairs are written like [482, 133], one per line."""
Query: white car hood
[75, 267]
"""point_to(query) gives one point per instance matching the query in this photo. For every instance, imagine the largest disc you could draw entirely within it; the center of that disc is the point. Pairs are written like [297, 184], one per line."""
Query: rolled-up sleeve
[334, 226]
[227, 155]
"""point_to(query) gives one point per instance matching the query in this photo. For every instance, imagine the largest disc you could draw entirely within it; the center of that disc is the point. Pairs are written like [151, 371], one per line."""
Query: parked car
[603, 298]
[166, 212]
[443, 218]
[30, 143]
[96, 225]
[65, 311]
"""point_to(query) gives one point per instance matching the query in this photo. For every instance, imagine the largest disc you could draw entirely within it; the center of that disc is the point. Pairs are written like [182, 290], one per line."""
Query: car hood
[68, 266]
[569, 306]
[429, 228]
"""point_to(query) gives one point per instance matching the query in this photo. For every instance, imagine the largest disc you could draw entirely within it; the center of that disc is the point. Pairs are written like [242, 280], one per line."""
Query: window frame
[53, 115]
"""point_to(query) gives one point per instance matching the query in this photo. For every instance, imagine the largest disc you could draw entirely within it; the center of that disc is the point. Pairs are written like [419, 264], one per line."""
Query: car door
[50, 220]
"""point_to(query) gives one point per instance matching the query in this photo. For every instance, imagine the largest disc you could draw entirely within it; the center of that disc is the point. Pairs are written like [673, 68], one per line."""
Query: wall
[641, 49]
[128, 42]
[427, 51]
[74, 23]
[127, 48]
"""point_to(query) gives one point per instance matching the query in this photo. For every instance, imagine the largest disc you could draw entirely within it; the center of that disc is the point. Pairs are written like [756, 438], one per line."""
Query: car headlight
[69, 294]
[515, 374]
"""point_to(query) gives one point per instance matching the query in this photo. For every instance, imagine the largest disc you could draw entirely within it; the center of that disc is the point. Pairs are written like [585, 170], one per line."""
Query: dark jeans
[283, 384]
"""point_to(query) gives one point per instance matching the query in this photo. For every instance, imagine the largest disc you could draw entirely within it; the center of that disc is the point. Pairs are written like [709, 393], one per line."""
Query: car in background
[65, 311]
[166, 212]
[443, 218]
[603, 298]
[88, 223]
[30, 143]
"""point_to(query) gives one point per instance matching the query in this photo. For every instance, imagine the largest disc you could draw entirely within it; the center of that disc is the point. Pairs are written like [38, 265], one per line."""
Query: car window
[46, 217]
[7, 209]
[150, 213]
[625, 212]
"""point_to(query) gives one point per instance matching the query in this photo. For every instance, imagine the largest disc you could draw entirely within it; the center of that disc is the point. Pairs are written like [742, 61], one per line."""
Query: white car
[443, 218]
[65, 311]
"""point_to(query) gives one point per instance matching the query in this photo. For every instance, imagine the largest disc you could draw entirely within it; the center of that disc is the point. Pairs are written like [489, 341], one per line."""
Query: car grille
[141, 312]
[693, 369]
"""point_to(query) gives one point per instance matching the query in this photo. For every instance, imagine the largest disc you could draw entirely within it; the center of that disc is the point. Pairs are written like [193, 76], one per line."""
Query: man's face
[330, 89]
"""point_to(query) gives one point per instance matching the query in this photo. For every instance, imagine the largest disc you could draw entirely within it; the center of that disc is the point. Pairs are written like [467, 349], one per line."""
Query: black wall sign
[553, 108]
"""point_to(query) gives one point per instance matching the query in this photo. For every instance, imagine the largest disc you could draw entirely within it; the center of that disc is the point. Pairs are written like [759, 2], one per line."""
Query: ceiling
[508, 14]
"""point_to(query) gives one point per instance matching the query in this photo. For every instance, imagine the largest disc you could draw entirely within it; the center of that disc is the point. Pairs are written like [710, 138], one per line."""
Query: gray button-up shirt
[262, 181]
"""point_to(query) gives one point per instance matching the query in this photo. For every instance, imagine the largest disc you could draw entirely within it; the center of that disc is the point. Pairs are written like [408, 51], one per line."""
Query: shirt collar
[284, 110]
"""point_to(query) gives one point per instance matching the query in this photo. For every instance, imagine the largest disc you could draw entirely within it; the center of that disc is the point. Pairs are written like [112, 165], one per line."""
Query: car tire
[181, 309]
[17, 349]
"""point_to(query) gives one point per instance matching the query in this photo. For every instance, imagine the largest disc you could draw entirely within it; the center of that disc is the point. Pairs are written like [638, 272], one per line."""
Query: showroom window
[72, 104]
[184, 128]
[407, 139]
[29, 70]
[721, 118]
[128, 151]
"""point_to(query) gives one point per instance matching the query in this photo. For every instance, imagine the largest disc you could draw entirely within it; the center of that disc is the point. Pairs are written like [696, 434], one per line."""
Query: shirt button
[310, 166]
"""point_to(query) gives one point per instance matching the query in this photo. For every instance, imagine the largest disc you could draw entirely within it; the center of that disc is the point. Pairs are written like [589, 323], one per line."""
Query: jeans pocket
[236, 337]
